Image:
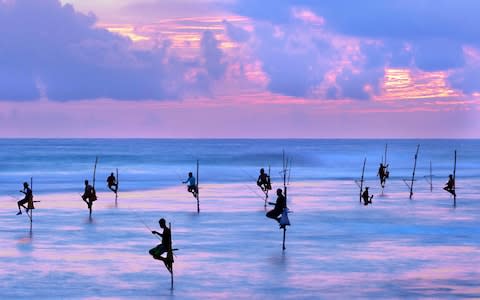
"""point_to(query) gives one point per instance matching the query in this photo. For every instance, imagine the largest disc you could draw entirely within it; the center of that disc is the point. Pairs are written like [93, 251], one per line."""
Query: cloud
[466, 80]
[438, 54]
[290, 59]
[60, 54]
[212, 55]
[404, 19]
[427, 34]
[235, 33]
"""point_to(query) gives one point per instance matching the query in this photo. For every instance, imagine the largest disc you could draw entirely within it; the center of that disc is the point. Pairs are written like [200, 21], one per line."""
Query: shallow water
[336, 247]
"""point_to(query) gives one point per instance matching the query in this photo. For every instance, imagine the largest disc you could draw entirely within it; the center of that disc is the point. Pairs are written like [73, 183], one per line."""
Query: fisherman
[28, 199]
[192, 184]
[263, 181]
[112, 182]
[277, 211]
[165, 246]
[366, 198]
[450, 185]
[383, 174]
[89, 194]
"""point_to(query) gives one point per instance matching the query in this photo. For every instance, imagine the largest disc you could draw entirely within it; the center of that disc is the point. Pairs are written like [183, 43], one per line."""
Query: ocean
[424, 247]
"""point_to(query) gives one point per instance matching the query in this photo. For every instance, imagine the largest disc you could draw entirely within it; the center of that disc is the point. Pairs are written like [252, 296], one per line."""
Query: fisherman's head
[111, 174]
[366, 188]
[25, 184]
[86, 182]
[190, 174]
[279, 192]
[162, 222]
[262, 171]
[450, 176]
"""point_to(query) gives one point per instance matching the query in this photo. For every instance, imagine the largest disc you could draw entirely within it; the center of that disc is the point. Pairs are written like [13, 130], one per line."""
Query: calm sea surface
[337, 248]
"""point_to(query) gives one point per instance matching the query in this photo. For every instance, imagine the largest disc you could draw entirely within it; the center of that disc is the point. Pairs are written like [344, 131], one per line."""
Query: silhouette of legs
[21, 204]
[273, 214]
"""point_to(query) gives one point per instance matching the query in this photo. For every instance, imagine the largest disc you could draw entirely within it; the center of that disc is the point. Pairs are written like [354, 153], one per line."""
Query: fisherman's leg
[260, 185]
[159, 250]
[273, 214]
[21, 204]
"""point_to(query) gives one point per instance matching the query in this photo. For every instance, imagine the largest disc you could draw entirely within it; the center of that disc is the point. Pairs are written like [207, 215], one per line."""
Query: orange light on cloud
[125, 30]
[414, 84]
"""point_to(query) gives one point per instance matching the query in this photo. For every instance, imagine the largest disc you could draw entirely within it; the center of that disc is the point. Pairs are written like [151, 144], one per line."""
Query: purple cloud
[435, 30]
[49, 48]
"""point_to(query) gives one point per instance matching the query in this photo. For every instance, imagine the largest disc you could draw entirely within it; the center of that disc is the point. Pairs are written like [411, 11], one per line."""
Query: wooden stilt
[198, 189]
[361, 179]
[170, 257]
[454, 183]
[431, 177]
[94, 191]
[413, 173]
[285, 170]
[116, 189]
[31, 206]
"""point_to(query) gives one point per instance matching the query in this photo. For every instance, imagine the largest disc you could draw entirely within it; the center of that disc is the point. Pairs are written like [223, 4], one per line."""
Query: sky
[240, 68]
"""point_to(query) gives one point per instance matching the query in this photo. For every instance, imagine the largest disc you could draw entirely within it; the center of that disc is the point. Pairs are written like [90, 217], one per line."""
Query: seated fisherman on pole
[89, 195]
[192, 184]
[366, 198]
[165, 246]
[263, 181]
[383, 174]
[450, 185]
[112, 182]
[28, 199]
[277, 211]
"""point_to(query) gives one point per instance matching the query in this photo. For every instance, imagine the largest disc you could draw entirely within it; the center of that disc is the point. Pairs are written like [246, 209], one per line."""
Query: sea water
[336, 247]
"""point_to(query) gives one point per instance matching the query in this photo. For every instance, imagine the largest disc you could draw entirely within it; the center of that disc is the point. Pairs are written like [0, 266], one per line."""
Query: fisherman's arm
[157, 233]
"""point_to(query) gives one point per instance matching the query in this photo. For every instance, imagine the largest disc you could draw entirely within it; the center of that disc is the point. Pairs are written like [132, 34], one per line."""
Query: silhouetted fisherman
[191, 184]
[28, 199]
[263, 181]
[89, 195]
[165, 246]
[366, 198]
[450, 185]
[112, 182]
[277, 211]
[383, 174]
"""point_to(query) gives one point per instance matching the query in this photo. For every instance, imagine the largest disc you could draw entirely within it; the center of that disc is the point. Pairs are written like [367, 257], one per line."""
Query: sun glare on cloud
[415, 84]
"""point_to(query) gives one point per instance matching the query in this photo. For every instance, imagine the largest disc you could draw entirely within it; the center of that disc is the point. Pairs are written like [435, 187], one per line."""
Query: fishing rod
[143, 222]
[263, 197]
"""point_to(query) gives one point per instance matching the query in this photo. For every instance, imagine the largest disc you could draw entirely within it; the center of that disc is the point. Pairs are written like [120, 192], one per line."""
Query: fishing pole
[143, 222]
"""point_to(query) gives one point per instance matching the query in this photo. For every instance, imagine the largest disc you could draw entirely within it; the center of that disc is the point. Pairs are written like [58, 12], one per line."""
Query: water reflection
[396, 248]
